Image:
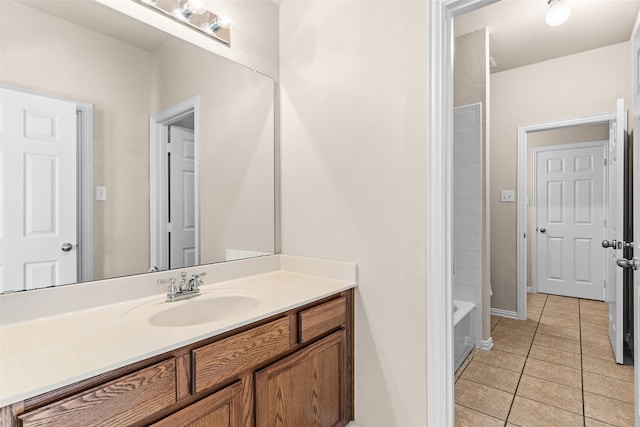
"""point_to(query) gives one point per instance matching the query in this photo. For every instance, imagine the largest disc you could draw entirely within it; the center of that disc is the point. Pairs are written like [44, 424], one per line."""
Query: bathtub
[462, 332]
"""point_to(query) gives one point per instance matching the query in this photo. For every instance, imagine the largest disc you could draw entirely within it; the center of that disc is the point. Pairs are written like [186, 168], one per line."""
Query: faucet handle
[172, 284]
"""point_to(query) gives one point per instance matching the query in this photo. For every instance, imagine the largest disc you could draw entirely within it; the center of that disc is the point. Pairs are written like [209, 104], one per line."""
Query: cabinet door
[221, 409]
[306, 388]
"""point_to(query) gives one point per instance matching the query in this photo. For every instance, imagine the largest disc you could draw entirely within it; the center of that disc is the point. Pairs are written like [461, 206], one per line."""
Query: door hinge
[169, 227]
[605, 162]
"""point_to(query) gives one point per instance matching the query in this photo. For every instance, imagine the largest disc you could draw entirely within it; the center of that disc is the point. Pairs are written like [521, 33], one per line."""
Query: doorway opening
[174, 195]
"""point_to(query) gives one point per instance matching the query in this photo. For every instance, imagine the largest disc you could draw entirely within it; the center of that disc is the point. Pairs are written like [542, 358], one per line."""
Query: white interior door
[38, 191]
[614, 229]
[182, 197]
[570, 217]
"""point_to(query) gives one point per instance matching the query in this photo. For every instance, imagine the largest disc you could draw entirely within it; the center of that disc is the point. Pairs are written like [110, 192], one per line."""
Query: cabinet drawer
[222, 360]
[123, 401]
[323, 318]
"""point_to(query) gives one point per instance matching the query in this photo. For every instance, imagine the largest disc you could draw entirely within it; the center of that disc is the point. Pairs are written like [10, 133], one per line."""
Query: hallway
[554, 369]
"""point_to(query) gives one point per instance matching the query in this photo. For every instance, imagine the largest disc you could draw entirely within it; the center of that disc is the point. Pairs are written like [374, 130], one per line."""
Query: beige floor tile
[557, 343]
[569, 314]
[559, 321]
[598, 320]
[492, 376]
[607, 386]
[594, 328]
[600, 351]
[553, 355]
[608, 410]
[466, 417]
[550, 371]
[554, 394]
[494, 321]
[598, 339]
[526, 412]
[510, 346]
[531, 297]
[538, 305]
[527, 325]
[559, 331]
[512, 333]
[534, 314]
[501, 359]
[588, 422]
[589, 306]
[482, 398]
[607, 368]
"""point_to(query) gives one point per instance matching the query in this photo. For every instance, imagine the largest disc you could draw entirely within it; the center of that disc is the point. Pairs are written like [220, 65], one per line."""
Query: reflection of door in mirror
[181, 234]
[174, 140]
[39, 231]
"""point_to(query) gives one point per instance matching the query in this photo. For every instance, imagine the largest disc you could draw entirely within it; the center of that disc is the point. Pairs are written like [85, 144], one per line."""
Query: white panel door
[38, 191]
[570, 217]
[182, 198]
[614, 229]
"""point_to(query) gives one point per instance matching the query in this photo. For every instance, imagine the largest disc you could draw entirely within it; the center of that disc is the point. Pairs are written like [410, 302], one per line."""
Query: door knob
[627, 245]
[628, 263]
[66, 247]
[609, 244]
[543, 230]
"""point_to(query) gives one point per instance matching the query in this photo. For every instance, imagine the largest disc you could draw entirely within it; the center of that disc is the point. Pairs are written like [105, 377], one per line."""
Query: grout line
[515, 393]
[584, 412]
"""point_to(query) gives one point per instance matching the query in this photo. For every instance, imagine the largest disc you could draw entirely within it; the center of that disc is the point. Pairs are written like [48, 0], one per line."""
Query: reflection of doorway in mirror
[174, 187]
[42, 189]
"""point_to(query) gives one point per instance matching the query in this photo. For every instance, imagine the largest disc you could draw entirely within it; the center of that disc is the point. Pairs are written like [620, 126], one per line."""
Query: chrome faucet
[188, 288]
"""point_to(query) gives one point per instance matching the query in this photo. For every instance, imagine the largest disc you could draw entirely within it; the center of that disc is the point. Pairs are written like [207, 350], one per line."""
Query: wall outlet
[507, 196]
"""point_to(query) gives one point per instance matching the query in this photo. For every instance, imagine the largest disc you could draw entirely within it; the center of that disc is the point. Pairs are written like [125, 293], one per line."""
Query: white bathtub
[462, 332]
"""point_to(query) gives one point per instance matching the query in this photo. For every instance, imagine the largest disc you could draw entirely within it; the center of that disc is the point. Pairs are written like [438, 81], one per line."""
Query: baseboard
[352, 424]
[504, 313]
[487, 344]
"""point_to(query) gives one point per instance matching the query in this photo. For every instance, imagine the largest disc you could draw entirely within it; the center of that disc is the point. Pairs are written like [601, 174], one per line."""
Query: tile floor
[554, 369]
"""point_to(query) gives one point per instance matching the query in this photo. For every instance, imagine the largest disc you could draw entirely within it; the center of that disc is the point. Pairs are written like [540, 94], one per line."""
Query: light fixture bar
[194, 15]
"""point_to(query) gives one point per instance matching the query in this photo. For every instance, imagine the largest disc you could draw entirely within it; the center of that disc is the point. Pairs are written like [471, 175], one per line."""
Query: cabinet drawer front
[222, 360]
[323, 318]
[124, 401]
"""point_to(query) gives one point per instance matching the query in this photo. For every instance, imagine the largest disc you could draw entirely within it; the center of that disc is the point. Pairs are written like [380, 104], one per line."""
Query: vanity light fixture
[558, 13]
[194, 14]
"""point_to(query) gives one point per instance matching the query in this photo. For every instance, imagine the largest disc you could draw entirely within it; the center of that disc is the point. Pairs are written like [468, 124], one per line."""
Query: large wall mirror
[182, 141]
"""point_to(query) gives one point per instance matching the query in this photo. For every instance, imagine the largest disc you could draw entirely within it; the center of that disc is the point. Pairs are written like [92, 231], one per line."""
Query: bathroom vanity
[288, 360]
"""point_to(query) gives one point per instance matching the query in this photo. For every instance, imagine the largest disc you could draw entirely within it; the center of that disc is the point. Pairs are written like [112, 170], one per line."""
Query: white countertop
[43, 354]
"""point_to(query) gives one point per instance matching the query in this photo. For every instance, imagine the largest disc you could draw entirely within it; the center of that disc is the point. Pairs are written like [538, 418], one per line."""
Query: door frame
[158, 136]
[84, 177]
[533, 199]
[521, 199]
[439, 284]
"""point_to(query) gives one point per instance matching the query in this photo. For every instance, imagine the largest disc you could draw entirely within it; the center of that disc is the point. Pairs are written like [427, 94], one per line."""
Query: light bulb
[558, 13]
[218, 23]
[189, 8]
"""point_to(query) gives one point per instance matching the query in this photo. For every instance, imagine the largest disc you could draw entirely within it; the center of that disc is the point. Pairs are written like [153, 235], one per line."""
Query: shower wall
[467, 211]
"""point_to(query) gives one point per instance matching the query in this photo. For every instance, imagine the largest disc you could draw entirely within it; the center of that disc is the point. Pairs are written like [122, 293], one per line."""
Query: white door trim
[533, 199]
[522, 193]
[439, 200]
[158, 134]
[84, 114]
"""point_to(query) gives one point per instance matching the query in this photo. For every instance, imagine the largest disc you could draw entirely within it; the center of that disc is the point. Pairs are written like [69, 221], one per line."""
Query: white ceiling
[519, 35]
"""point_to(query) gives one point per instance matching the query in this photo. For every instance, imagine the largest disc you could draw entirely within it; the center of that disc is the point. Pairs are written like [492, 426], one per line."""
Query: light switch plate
[101, 193]
[507, 196]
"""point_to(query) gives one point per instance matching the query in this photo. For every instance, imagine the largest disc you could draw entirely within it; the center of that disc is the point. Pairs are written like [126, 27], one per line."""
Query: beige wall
[471, 85]
[56, 57]
[577, 85]
[354, 170]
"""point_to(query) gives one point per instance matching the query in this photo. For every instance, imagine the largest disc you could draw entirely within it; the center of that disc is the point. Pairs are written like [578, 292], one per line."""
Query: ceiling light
[195, 15]
[558, 13]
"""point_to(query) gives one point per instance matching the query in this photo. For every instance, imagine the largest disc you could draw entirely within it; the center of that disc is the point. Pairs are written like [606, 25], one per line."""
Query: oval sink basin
[208, 307]
[206, 310]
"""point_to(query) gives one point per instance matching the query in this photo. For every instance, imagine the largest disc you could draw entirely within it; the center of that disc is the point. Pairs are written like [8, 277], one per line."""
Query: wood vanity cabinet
[293, 369]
